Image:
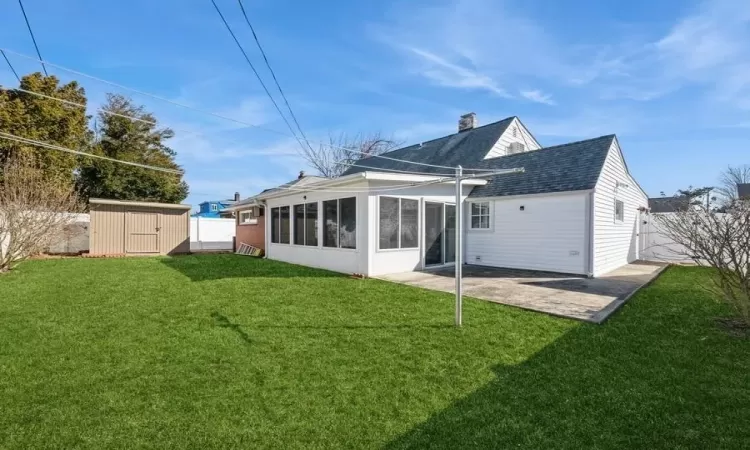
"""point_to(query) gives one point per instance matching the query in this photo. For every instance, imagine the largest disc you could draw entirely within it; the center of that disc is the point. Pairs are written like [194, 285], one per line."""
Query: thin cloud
[538, 96]
[446, 73]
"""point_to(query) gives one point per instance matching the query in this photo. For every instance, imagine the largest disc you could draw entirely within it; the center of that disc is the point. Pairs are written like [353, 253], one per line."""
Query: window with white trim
[214, 207]
[280, 225]
[480, 216]
[247, 217]
[399, 223]
[340, 223]
[306, 224]
[619, 211]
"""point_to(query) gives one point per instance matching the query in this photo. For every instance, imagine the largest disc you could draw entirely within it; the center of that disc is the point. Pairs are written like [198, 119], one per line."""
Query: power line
[257, 75]
[10, 65]
[273, 74]
[221, 116]
[33, 39]
[189, 132]
[138, 119]
[22, 140]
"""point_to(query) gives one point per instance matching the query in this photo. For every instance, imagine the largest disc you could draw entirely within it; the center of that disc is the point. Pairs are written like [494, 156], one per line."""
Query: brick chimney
[467, 122]
[301, 175]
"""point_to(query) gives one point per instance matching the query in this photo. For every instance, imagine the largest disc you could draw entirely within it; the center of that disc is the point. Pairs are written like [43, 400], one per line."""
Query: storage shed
[138, 228]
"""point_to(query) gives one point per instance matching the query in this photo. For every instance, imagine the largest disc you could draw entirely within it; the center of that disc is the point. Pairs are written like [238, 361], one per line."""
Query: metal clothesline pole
[459, 231]
[459, 252]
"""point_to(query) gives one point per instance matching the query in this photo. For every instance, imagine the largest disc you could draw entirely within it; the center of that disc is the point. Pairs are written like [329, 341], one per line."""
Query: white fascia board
[541, 194]
[370, 176]
[283, 191]
[242, 207]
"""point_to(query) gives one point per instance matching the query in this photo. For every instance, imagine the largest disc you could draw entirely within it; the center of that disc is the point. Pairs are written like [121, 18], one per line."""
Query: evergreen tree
[44, 119]
[137, 141]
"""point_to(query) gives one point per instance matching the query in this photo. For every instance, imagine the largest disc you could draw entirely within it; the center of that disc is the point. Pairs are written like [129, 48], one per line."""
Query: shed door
[141, 232]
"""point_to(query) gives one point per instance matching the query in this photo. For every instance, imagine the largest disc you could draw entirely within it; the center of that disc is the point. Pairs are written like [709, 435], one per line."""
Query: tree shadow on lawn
[219, 266]
[659, 375]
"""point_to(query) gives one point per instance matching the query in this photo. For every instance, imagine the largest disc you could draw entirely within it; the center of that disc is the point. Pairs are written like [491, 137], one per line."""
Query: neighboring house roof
[569, 167]
[467, 148]
[743, 190]
[668, 204]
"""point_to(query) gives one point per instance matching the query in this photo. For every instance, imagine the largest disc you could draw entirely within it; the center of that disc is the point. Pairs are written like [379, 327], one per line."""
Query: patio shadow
[203, 267]
[643, 381]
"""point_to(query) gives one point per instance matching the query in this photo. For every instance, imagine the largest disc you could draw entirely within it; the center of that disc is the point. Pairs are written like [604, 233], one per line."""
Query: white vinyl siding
[522, 136]
[616, 241]
[549, 234]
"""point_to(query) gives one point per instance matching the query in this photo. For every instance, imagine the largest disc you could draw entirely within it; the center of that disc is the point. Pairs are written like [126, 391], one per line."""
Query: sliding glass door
[440, 234]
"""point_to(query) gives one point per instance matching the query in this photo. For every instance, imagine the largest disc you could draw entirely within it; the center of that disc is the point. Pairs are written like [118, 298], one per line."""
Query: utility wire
[10, 65]
[189, 132]
[33, 39]
[273, 74]
[257, 75]
[22, 140]
[221, 116]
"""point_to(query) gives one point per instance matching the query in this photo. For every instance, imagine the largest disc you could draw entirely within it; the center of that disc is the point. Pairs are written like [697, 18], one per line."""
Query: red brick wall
[252, 234]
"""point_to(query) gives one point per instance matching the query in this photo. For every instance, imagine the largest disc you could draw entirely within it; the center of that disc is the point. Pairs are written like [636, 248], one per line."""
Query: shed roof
[106, 201]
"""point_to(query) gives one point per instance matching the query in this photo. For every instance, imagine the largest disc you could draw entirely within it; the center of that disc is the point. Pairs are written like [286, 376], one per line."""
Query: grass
[227, 351]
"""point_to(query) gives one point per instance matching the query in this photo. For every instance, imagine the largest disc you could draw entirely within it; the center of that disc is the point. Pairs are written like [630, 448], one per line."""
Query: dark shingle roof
[467, 148]
[668, 204]
[743, 190]
[569, 167]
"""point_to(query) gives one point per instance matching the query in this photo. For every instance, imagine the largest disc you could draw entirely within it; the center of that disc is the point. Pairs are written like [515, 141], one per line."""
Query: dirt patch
[734, 327]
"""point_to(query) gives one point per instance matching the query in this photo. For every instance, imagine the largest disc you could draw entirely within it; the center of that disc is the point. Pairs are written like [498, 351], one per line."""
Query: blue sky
[670, 78]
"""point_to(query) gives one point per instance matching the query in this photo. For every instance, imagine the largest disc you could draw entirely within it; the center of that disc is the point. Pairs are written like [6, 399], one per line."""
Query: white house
[574, 209]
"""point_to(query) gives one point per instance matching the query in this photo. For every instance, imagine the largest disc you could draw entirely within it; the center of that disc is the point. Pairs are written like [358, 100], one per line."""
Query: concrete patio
[587, 299]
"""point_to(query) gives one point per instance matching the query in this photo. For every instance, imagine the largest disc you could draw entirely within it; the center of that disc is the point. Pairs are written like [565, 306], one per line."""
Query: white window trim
[253, 220]
[322, 230]
[467, 213]
[293, 225]
[214, 207]
[615, 211]
[419, 226]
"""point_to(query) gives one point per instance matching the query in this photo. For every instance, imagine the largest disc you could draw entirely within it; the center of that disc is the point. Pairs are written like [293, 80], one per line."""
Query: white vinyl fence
[207, 234]
[657, 246]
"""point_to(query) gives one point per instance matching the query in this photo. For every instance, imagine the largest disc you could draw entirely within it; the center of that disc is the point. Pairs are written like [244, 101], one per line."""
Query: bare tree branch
[720, 240]
[729, 180]
[34, 210]
[332, 159]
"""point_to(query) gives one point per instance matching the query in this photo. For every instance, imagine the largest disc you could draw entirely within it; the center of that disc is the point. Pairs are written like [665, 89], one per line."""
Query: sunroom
[369, 223]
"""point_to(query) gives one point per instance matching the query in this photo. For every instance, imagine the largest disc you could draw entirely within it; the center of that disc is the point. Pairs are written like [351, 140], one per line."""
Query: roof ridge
[554, 147]
[448, 135]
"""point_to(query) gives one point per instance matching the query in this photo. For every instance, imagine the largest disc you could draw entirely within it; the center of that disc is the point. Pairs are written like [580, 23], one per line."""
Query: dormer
[515, 139]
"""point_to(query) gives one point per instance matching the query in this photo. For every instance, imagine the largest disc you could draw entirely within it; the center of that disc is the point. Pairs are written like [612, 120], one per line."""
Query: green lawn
[227, 351]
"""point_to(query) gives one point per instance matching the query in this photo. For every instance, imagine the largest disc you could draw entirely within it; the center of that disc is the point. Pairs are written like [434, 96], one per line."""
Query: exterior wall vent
[516, 147]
